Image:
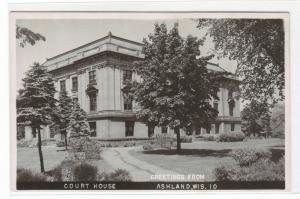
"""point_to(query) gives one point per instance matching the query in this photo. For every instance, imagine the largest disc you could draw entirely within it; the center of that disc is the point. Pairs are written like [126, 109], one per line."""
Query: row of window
[127, 75]
[230, 105]
[129, 129]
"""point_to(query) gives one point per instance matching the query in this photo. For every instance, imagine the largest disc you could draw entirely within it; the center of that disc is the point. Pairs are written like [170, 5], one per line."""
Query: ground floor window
[217, 127]
[129, 128]
[208, 130]
[150, 130]
[164, 129]
[93, 129]
[232, 127]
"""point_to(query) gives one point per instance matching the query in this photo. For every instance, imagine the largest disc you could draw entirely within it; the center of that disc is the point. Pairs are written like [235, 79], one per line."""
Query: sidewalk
[119, 158]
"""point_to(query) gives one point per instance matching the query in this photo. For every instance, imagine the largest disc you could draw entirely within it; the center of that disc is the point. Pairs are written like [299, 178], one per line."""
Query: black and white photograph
[150, 101]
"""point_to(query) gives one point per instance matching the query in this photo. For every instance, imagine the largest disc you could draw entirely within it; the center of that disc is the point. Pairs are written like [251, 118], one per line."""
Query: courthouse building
[93, 74]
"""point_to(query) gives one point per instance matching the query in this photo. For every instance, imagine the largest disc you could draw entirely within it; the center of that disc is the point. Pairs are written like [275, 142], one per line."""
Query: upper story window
[92, 77]
[127, 75]
[128, 105]
[62, 85]
[74, 84]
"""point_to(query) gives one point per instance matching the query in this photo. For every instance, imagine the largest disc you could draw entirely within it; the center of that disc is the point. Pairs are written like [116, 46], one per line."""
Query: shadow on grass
[192, 152]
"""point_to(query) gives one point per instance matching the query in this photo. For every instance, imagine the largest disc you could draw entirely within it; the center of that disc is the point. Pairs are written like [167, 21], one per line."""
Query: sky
[65, 34]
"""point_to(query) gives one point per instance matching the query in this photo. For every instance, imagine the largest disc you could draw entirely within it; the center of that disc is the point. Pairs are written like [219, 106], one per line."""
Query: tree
[63, 114]
[256, 118]
[176, 87]
[78, 127]
[36, 102]
[258, 47]
[26, 36]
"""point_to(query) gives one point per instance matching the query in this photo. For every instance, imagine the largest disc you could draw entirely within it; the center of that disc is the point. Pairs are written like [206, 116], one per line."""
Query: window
[208, 130]
[92, 77]
[150, 130]
[232, 127]
[231, 106]
[217, 127]
[128, 105]
[216, 105]
[93, 129]
[62, 85]
[74, 84]
[129, 128]
[230, 93]
[93, 102]
[164, 129]
[127, 75]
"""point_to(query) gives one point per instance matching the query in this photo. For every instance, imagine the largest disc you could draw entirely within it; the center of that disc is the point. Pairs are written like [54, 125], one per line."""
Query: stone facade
[93, 74]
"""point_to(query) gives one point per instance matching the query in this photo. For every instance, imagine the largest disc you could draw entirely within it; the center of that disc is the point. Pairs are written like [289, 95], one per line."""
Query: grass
[204, 156]
[29, 158]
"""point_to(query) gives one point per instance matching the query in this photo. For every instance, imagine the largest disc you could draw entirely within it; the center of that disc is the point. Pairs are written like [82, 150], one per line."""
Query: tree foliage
[258, 47]
[36, 102]
[26, 36]
[176, 86]
[63, 113]
[256, 117]
[78, 128]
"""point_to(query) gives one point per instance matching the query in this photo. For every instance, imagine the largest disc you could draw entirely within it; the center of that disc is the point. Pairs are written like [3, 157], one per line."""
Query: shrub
[85, 172]
[148, 147]
[163, 140]
[186, 139]
[231, 137]
[60, 144]
[246, 157]
[224, 173]
[117, 175]
[26, 175]
[92, 150]
[129, 144]
[84, 149]
[63, 171]
[252, 165]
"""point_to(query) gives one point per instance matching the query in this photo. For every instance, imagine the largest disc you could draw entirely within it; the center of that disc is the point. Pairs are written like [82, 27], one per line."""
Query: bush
[210, 138]
[129, 144]
[26, 175]
[148, 147]
[186, 139]
[117, 175]
[231, 137]
[63, 171]
[84, 149]
[60, 144]
[252, 165]
[163, 140]
[246, 157]
[85, 172]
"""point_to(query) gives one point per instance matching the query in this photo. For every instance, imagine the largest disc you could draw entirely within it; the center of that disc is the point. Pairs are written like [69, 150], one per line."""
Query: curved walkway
[119, 158]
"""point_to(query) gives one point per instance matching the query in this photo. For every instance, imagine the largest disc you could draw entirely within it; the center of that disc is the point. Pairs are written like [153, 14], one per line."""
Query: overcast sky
[64, 35]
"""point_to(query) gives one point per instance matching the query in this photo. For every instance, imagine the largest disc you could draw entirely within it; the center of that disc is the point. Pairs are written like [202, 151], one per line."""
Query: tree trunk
[66, 142]
[39, 145]
[177, 131]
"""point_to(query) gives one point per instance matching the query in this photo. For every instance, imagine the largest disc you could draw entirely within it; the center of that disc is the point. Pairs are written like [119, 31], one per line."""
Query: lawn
[53, 156]
[204, 156]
